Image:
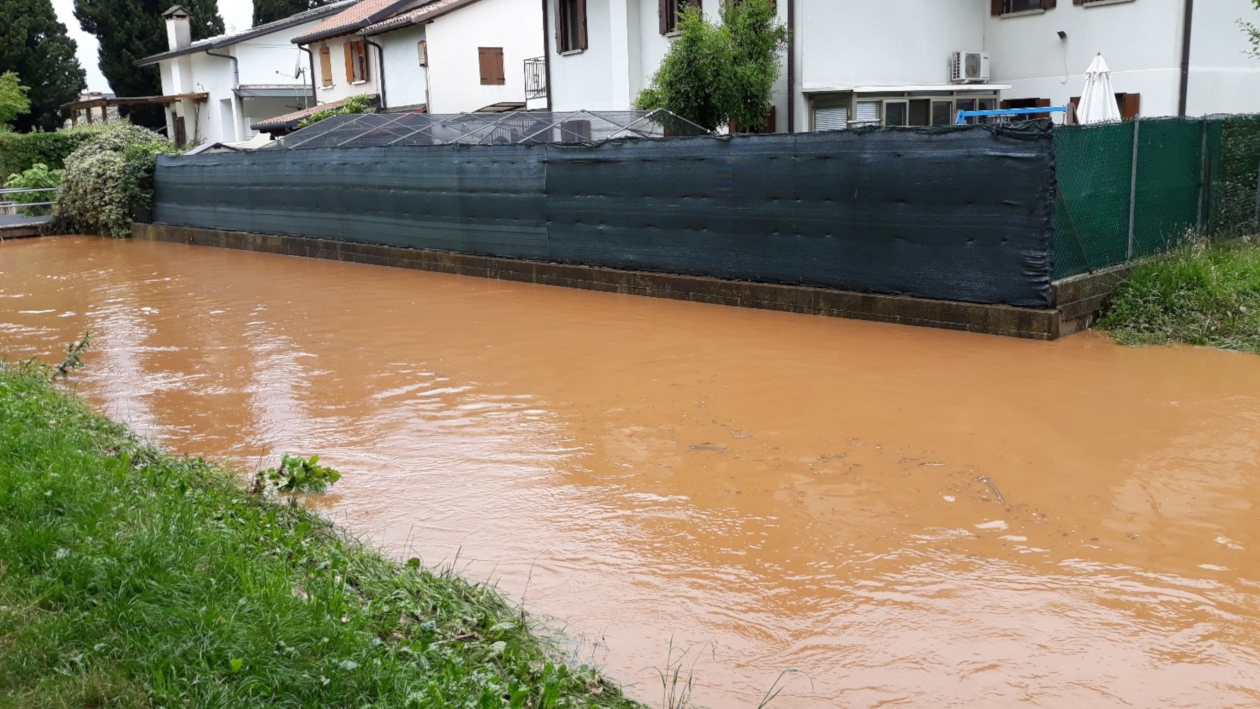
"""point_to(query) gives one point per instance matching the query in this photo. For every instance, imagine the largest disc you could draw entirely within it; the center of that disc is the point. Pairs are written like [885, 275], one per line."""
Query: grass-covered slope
[132, 578]
[1201, 295]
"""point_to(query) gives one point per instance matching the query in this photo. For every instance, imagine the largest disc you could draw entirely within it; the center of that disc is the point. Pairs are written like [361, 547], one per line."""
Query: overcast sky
[236, 17]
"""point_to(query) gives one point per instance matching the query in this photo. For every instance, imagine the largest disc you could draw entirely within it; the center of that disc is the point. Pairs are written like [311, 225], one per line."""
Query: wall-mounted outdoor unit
[969, 66]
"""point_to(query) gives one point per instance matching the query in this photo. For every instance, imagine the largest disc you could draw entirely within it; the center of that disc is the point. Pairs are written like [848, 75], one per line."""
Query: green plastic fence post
[1258, 199]
[1198, 220]
[1137, 131]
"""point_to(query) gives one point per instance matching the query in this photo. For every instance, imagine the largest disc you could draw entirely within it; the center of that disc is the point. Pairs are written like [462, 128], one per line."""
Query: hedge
[19, 151]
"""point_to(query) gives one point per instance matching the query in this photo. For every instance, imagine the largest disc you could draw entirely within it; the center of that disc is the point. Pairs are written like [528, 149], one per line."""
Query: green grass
[1200, 295]
[132, 578]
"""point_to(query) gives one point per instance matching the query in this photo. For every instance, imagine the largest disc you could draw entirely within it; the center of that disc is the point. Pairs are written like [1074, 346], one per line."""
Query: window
[490, 59]
[670, 11]
[942, 113]
[895, 113]
[575, 132]
[833, 118]
[1007, 7]
[356, 61]
[422, 49]
[570, 25]
[325, 65]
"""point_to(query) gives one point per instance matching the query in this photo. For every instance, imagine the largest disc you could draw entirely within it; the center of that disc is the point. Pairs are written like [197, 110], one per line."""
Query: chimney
[178, 31]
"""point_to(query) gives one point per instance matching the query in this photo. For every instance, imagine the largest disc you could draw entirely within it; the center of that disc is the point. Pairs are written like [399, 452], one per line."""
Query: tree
[134, 29]
[1253, 33]
[13, 101]
[271, 10]
[35, 47]
[715, 75]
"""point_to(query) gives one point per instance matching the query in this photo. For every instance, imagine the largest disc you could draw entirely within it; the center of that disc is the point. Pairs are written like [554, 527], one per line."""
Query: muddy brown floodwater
[908, 516]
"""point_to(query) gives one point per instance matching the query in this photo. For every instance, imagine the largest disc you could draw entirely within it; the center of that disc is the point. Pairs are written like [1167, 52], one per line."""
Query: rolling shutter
[836, 118]
[867, 113]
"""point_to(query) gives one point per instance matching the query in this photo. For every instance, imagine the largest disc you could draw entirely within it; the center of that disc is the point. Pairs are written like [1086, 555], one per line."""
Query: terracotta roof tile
[416, 16]
[355, 17]
[290, 120]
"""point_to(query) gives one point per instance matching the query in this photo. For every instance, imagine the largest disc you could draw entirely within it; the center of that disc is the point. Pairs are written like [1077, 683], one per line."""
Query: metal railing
[14, 207]
[535, 78]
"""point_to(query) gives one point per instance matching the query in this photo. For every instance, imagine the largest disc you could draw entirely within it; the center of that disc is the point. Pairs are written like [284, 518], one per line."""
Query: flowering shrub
[110, 178]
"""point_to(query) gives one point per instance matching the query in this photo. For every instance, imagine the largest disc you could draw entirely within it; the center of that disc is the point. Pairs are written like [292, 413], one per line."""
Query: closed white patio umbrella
[1098, 100]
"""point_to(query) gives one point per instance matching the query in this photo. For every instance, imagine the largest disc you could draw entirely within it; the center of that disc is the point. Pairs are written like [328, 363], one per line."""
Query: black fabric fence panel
[953, 214]
[486, 201]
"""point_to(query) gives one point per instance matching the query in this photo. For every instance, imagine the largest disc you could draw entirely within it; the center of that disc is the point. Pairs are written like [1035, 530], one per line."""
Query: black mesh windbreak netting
[958, 213]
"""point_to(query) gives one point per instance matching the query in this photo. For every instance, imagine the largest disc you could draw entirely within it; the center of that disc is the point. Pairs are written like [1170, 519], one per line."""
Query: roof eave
[242, 36]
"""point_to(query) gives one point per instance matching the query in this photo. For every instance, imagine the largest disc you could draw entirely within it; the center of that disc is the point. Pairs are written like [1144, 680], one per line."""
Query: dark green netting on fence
[1121, 199]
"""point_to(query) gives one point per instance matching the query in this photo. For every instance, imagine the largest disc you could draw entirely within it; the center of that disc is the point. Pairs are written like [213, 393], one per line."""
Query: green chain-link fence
[1132, 189]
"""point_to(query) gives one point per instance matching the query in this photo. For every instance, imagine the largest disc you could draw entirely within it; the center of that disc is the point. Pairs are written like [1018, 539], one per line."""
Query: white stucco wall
[1223, 77]
[404, 77]
[271, 59]
[454, 71]
[341, 88]
[833, 41]
[583, 80]
[1141, 40]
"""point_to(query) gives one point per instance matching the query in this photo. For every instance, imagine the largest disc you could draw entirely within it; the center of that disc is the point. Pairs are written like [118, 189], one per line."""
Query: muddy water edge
[906, 516]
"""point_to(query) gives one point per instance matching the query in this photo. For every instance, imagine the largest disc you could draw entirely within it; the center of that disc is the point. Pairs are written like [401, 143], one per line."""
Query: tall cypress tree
[35, 46]
[134, 29]
[272, 10]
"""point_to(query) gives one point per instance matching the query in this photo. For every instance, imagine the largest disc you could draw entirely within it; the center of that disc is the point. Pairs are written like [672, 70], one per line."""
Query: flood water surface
[906, 516]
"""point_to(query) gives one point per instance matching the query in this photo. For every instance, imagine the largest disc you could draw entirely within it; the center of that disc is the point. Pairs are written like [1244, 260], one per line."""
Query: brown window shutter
[1043, 103]
[662, 14]
[500, 77]
[325, 65]
[1078, 2]
[996, 7]
[1131, 107]
[349, 51]
[1004, 105]
[558, 19]
[1049, 4]
[483, 64]
[581, 13]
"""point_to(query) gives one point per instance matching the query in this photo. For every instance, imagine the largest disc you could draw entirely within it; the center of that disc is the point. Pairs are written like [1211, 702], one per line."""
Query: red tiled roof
[290, 120]
[355, 17]
[424, 13]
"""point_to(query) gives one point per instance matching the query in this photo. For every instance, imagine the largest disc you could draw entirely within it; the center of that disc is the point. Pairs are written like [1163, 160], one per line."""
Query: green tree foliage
[272, 10]
[134, 29]
[35, 46]
[354, 104]
[37, 177]
[13, 100]
[716, 74]
[1253, 33]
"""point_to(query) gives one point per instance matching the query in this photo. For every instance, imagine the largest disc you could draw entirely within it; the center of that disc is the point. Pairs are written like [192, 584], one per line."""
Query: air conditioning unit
[969, 66]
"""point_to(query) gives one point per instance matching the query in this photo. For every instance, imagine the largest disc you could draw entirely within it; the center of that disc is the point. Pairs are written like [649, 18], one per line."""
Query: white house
[1041, 48]
[897, 62]
[448, 56]
[215, 88]
[461, 56]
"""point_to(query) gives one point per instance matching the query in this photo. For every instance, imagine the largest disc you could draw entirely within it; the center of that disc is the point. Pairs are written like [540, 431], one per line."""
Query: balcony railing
[535, 78]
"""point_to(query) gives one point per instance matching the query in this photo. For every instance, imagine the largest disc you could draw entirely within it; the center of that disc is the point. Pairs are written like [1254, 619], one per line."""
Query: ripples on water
[769, 491]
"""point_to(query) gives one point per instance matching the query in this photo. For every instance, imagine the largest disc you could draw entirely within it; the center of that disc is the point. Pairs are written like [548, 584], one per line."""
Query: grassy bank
[1201, 295]
[132, 578]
